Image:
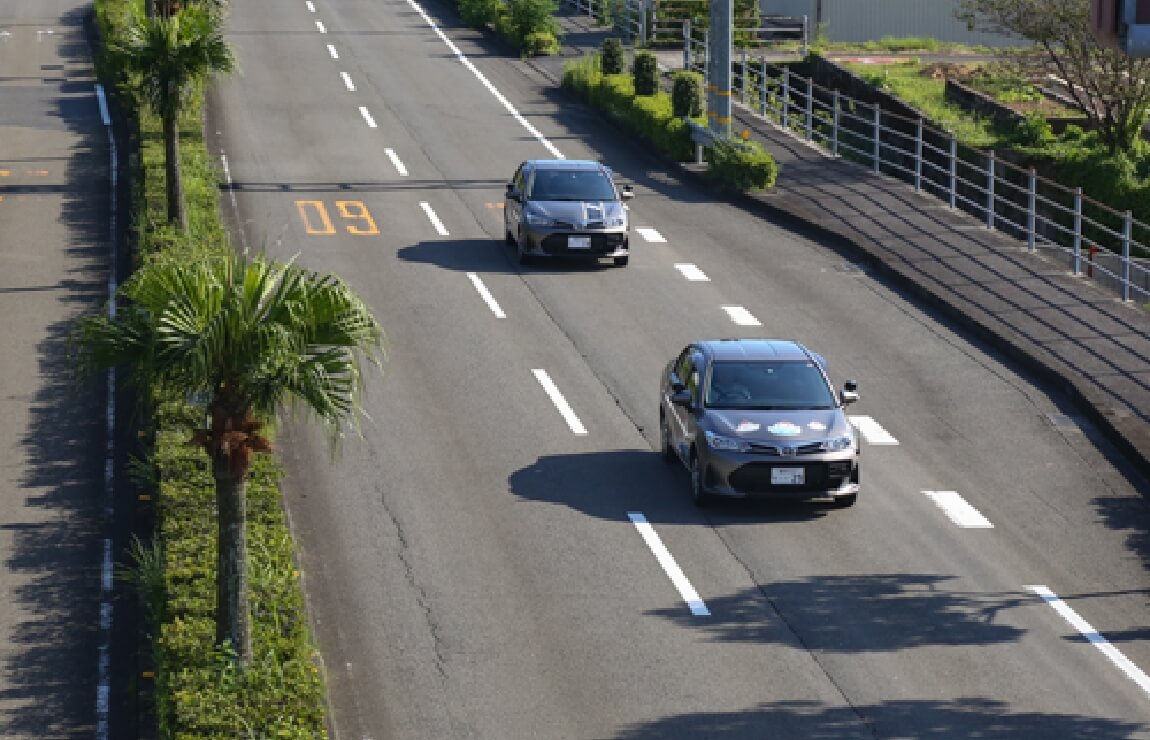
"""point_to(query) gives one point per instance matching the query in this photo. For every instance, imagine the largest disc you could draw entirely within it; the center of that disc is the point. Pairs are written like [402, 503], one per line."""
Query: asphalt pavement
[54, 244]
[1058, 325]
[503, 554]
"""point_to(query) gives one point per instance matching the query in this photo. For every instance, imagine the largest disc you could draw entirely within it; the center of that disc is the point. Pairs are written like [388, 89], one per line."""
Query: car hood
[796, 426]
[576, 211]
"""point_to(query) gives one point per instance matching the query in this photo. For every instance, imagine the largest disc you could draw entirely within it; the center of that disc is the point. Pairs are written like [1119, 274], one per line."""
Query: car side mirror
[628, 192]
[850, 392]
[682, 398]
[512, 193]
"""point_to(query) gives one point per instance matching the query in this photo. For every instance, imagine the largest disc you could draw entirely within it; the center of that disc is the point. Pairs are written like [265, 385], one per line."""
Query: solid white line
[434, 219]
[395, 161]
[104, 661]
[686, 590]
[232, 196]
[872, 431]
[651, 235]
[331, 50]
[741, 316]
[560, 402]
[691, 272]
[310, 6]
[367, 116]
[498, 95]
[959, 510]
[320, 26]
[1116, 657]
[485, 294]
[347, 81]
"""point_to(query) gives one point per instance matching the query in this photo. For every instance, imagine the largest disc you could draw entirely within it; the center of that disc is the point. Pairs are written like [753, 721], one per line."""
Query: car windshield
[767, 385]
[551, 184]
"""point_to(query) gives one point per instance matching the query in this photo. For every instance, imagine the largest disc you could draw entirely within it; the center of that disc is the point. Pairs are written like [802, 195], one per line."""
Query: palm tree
[250, 335]
[166, 56]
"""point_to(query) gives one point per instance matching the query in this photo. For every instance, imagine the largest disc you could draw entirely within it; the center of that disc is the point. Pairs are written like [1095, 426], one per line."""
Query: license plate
[578, 242]
[787, 476]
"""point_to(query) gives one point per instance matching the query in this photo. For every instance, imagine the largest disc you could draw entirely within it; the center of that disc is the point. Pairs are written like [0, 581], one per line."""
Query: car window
[683, 365]
[553, 184]
[768, 385]
[517, 180]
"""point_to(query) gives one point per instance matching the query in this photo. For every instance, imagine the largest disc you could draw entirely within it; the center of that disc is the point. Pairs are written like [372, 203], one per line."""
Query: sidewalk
[1060, 327]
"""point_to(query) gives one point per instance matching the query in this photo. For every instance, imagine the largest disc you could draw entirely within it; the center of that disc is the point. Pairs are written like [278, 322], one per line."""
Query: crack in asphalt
[421, 596]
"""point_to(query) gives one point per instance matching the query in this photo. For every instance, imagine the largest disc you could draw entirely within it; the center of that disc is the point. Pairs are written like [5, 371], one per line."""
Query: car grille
[600, 244]
[810, 448]
[756, 477]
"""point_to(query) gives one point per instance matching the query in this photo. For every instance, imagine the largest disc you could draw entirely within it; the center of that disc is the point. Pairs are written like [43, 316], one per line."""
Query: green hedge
[528, 24]
[739, 166]
[197, 694]
[648, 116]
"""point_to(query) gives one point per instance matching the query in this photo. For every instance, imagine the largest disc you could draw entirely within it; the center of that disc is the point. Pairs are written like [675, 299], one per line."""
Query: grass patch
[906, 82]
[197, 693]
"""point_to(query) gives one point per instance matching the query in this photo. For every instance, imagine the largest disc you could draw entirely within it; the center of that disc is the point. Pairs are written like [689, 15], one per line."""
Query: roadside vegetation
[529, 25]
[636, 101]
[228, 633]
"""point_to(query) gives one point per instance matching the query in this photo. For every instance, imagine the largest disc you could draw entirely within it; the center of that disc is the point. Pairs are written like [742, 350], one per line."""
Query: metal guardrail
[1092, 238]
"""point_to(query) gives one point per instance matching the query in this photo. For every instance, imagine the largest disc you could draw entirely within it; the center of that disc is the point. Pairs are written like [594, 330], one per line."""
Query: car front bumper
[540, 241]
[743, 475]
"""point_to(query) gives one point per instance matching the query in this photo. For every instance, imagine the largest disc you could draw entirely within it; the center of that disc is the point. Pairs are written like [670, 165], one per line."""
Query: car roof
[564, 164]
[755, 349]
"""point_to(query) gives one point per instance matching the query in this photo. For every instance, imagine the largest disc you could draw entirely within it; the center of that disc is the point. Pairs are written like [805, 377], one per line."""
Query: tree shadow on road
[858, 614]
[956, 718]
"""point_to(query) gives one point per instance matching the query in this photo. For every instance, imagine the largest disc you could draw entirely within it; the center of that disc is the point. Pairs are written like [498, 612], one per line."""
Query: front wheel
[668, 451]
[520, 254]
[844, 502]
[701, 498]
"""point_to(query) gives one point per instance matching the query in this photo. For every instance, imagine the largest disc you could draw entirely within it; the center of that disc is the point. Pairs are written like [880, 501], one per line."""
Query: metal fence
[1091, 238]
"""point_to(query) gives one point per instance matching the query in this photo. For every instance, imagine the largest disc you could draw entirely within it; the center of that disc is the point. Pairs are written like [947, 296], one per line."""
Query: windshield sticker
[785, 429]
[746, 425]
[817, 426]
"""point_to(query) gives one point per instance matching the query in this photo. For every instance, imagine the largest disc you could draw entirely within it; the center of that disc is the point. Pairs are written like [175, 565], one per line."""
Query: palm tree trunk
[175, 185]
[232, 618]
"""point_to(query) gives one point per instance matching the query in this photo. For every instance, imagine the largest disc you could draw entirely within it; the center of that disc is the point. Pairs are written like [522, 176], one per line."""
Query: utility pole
[722, 14]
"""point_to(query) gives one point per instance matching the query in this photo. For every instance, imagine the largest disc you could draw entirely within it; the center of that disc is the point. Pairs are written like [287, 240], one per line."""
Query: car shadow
[607, 485]
[494, 256]
[962, 717]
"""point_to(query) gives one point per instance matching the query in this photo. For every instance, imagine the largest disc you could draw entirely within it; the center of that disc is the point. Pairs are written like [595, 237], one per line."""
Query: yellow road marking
[5, 173]
[37, 173]
[304, 206]
[355, 210]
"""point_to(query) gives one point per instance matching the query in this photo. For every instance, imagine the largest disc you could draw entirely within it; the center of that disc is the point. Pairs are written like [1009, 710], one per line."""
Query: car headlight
[731, 444]
[537, 219]
[838, 444]
[616, 222]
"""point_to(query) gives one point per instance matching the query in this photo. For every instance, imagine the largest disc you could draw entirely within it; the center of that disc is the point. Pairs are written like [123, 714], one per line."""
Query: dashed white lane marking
[439, 227]
[741, 316]
[491, 88]
[331, 50]
[347, 81]
[322, 28]
[650, 235]
[691, 272]
[310, 6]
[560, 402]
[1133, 672]
[686, 590]
[367, 116]
[395, 161]
[959, 511]
[485, 294]
[872, 431]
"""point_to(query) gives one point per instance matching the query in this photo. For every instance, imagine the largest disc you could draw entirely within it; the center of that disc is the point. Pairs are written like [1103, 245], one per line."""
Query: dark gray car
[566, 207]
[758, 418]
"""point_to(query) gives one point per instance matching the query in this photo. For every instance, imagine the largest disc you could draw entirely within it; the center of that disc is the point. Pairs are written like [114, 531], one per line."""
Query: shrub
[646, 71]
[521, 18]
[739, 166]
[540, 44]
[687, 94]
[1034, 130]
[612, 59]
[479, 13]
